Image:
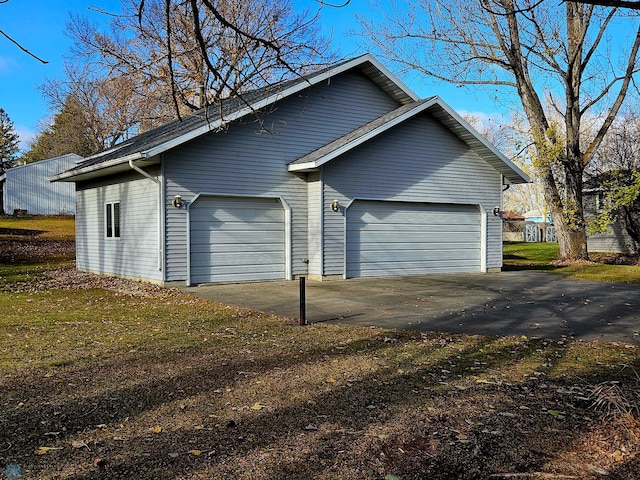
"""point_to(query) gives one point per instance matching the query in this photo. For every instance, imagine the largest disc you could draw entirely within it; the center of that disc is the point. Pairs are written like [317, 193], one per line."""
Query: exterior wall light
[177, 201]
[335, 205]
[496, 211]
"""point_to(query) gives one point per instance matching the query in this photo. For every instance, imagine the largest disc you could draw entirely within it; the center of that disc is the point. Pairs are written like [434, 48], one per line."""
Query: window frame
[113, 220]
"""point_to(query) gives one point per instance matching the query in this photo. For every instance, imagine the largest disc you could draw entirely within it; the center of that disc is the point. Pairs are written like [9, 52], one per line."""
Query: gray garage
[342, 173]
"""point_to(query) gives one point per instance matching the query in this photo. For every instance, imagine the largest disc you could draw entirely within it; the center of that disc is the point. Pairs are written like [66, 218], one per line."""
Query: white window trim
[109, 207]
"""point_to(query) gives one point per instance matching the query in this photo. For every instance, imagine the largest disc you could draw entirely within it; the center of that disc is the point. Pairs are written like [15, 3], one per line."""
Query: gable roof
[436, 107]
[144, 147]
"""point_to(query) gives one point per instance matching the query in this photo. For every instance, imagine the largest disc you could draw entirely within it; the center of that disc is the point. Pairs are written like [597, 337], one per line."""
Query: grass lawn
[113, 379]
[540, 256]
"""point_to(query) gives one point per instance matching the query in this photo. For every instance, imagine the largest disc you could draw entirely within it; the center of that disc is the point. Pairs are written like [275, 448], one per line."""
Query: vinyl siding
[314, 223]
[417, 161]
[135, 253]
[251, 158]
[28, 188]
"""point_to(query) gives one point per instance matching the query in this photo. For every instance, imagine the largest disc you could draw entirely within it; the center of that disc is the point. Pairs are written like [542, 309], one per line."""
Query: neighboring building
[343, 173]
[615, 239]
[512, 227]
[27, 188]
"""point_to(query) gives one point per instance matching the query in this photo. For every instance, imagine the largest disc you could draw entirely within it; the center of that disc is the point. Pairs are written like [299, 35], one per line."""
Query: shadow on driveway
[535, 304]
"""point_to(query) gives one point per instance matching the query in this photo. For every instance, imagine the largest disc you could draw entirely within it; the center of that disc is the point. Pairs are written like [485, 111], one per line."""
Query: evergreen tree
[8, 143]
[69, 133]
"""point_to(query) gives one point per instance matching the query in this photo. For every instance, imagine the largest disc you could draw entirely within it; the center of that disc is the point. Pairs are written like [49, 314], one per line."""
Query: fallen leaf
[157, 429]
[331, 380]
[195, 452]
[257, 406]
[79, 444]
[174, 455]
[44, 450]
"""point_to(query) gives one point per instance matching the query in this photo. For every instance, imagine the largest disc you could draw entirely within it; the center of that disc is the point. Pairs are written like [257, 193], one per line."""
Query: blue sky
[39, 25]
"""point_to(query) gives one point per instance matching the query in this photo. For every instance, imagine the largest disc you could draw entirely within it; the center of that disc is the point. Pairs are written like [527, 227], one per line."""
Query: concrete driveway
[535, 304]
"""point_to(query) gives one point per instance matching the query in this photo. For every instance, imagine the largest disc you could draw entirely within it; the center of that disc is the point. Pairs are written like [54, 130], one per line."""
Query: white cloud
[25, 135]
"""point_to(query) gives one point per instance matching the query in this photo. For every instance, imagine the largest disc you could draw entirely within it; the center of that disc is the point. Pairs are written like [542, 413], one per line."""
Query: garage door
[397, 238]
[236, 239]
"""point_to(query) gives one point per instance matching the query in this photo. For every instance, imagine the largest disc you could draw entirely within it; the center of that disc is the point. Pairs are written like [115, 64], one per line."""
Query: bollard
[303, 303]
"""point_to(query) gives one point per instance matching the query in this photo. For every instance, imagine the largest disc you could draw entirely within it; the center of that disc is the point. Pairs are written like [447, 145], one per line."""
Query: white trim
[99, 166]
[109, 205]
[321, 220]
[484, 234]
[288, 235]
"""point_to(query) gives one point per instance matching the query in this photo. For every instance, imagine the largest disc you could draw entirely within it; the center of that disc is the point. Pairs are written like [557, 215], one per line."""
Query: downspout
[143, 173]
[160, 211]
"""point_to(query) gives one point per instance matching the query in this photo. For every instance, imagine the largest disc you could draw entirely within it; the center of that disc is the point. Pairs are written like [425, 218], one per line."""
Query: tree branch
[22, 48]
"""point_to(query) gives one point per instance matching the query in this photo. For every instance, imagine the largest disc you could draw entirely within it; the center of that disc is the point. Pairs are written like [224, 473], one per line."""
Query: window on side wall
[112, 220]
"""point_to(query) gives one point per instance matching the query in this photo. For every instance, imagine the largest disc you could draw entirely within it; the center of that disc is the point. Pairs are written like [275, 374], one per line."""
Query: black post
[303, 303]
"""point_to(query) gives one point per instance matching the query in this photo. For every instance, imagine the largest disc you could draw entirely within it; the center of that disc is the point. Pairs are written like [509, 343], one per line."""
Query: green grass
[539, 256]
[52, 227]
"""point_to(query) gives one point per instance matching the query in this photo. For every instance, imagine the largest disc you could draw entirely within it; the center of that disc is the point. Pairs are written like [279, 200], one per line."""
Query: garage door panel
[399, 238]
[236, 239]
[272, 271]
[414, 256]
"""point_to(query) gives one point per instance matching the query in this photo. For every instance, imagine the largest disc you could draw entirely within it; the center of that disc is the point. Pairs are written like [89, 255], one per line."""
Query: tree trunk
[567, 214]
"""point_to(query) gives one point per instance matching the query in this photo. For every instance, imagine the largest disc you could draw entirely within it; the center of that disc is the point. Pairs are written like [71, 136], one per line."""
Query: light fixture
[177, 201]
[496, 211]
[335, 205]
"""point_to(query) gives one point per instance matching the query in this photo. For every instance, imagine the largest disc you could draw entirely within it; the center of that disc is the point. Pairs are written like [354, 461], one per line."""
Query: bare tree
[178, 56]
[17, 43]
[532, 48]
[635, 5]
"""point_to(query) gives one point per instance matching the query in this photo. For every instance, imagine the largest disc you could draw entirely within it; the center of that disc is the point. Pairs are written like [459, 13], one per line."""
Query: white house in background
[28, 188]
[343, 173]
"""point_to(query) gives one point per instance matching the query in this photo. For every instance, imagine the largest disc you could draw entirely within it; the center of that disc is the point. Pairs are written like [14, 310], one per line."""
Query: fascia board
[68, 175]
[385, 71]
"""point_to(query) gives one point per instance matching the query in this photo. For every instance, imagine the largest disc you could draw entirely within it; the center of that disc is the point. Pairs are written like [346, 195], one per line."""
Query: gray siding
[417, 161]
[136, 253]
[251, 158]
[28, 188]
[616, 240]
[314, 223]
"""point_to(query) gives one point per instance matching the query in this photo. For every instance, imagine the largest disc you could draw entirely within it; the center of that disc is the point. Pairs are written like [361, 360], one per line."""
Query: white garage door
[398, 238]
[236, 239]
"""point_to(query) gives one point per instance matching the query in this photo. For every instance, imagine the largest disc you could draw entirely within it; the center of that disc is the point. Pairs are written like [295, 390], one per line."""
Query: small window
[113, 220]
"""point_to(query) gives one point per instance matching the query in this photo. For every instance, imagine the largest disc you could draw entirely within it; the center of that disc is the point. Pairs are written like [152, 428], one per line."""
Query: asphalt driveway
[535, 304]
